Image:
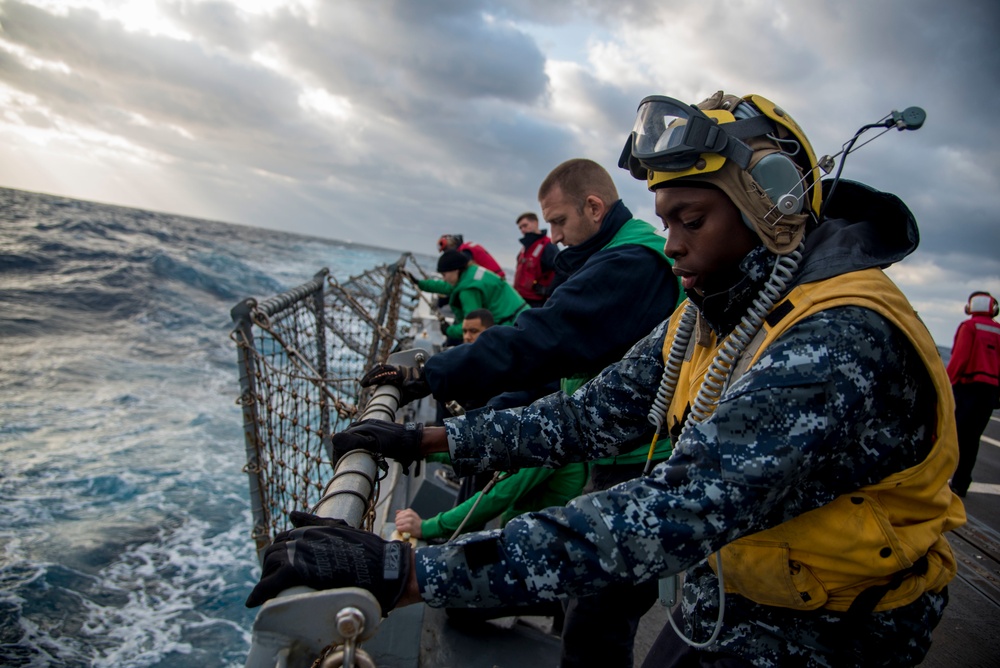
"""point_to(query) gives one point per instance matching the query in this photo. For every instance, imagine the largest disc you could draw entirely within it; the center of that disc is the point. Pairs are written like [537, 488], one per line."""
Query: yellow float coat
[827, 556]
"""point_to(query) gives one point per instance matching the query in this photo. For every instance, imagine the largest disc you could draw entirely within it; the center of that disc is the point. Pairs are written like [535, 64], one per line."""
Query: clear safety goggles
[671, 136]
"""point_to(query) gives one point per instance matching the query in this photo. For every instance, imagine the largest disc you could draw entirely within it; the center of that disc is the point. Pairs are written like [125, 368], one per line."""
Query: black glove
[444, 327]
[396, 441]
[409, 379]
[324, 553]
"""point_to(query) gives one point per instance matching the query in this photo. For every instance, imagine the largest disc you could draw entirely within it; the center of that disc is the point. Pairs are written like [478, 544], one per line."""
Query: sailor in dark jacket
[616, 285]
[614, 290]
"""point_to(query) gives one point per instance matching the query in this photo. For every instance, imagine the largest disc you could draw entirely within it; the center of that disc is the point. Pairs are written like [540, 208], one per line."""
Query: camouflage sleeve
[829, 407]
[606, 414]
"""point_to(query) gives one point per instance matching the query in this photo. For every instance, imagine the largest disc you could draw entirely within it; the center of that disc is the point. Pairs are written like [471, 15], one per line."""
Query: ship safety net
[300, 355]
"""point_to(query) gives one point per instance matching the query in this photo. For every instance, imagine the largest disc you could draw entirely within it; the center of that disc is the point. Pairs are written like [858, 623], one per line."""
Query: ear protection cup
[780, 179]
[777, 174]
[982, 302]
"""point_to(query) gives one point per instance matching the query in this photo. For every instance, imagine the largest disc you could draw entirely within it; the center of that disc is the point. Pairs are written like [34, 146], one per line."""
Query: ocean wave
[125, 537]
[165, 267]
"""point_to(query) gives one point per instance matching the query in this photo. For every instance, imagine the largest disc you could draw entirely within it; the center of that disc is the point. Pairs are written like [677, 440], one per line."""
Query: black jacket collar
[571, 259]
[532, 237]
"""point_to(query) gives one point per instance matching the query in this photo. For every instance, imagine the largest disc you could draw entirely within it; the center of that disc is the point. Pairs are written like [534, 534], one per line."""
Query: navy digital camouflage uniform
[844, 382]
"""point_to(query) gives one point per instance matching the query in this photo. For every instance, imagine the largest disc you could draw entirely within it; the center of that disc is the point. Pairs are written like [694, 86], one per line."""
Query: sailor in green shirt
[470, 287]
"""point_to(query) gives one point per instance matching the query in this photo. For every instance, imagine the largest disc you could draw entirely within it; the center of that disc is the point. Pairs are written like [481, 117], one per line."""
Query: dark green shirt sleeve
[435, 285]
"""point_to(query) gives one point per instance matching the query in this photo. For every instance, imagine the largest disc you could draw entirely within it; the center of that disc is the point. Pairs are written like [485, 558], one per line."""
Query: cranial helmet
[747, 147]
[449, 242]
[982, 303]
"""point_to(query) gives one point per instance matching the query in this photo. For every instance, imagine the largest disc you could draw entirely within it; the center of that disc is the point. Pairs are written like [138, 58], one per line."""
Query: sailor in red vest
[974, 370]
[535, 272]
[472, 250]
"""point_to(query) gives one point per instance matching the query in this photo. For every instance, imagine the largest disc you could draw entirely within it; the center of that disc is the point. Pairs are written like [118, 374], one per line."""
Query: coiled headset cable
[714, 384]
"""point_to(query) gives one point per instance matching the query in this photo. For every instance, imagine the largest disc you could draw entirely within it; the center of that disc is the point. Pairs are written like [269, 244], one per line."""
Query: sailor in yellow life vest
[811, 417]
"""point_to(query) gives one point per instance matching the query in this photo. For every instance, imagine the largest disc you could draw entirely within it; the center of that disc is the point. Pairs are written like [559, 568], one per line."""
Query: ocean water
[124, 514]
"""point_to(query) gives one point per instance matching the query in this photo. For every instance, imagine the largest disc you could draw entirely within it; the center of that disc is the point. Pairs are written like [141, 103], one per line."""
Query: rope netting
[301, 354]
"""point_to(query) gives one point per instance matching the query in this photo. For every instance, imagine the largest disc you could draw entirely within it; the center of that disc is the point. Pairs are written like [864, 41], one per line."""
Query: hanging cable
[493, 481]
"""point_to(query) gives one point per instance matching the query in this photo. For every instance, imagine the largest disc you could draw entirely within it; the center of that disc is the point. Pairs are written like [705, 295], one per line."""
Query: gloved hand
[324, 553]
[444, 327]
[396, 441]
[409, 379]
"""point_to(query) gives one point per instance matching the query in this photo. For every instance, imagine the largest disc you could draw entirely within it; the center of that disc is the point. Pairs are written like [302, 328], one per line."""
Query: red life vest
[481, 257]
[529, 270]
[975, 357]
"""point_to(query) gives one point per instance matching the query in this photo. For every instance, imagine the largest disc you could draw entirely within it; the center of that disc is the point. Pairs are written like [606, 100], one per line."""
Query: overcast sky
[392, 122]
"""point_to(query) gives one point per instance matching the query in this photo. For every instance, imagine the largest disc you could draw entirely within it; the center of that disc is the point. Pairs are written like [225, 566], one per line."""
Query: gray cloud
[162, 78]
[450, 108]
[455, 116]
[839, 65]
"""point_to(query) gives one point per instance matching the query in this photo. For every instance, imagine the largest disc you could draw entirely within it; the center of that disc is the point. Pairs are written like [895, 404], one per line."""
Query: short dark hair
[482, 314]
[578, 179]
[527, 214]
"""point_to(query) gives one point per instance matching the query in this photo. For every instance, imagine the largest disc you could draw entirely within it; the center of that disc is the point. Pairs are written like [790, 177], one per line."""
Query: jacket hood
[864, 228]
